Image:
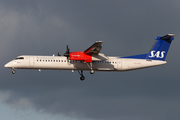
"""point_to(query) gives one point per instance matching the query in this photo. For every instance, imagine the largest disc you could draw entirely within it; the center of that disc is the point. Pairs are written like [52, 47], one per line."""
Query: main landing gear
[82, 76]
[91, 71]
[90, 67]
[81, 73]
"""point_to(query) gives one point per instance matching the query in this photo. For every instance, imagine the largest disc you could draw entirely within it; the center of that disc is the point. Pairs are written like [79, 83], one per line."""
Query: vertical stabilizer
[160, 48]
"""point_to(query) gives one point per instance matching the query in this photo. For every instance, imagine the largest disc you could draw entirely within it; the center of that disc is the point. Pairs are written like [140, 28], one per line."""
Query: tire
[82, 78]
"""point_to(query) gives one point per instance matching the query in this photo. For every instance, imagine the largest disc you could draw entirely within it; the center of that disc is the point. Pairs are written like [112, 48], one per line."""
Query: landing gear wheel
[82, 78]
[92, 71]
[13, 71]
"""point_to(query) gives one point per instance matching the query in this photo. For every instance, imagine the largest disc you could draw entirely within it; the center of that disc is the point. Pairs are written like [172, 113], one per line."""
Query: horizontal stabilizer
[166, 37]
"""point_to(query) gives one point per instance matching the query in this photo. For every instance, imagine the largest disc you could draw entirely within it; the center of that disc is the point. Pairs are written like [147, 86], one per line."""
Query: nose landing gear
[13, 71]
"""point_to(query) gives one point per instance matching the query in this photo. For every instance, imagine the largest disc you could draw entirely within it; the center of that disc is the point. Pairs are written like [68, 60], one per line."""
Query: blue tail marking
[159, 50]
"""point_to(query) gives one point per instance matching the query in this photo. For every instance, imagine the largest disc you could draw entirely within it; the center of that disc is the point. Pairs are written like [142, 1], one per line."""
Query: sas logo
[158, 54]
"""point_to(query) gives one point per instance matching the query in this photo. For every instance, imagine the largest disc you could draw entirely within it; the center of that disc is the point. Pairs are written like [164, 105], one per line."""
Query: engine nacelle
[81, 56]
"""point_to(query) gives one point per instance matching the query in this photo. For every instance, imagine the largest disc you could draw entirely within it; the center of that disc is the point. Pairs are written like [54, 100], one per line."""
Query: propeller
[66, 54]
[58, 54]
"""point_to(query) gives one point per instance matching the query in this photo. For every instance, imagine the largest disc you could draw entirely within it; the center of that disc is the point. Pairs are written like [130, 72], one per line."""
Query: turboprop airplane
[92, 60]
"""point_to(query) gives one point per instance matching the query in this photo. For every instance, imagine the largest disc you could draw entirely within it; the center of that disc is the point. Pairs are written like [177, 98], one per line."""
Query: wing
[94, 49]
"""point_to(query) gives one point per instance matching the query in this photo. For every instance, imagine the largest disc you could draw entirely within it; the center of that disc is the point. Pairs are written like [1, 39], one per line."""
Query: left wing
[94, 49]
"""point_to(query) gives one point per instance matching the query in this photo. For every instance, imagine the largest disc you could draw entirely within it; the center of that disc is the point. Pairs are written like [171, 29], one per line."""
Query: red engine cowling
[81, 56]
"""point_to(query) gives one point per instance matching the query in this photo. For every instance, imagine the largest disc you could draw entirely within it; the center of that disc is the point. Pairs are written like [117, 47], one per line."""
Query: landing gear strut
[90, 67]
[13, 71]
[81, 73]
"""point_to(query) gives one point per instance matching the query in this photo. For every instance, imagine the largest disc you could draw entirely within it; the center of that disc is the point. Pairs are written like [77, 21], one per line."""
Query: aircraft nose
[7, 65]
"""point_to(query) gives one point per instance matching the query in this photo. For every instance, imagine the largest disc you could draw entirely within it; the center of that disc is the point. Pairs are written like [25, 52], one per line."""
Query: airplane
[92, 60]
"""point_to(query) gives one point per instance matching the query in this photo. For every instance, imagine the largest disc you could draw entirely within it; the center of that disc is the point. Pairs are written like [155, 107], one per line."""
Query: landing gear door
[31, 61]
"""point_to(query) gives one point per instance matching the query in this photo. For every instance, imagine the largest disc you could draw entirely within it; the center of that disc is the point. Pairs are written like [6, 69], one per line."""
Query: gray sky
[127, 27]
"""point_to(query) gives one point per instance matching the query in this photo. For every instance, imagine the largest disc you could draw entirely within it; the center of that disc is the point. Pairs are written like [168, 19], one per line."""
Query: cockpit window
[18, 58]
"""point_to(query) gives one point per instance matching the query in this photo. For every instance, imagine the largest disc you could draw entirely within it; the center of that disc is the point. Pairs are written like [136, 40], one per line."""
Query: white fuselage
[61, 63]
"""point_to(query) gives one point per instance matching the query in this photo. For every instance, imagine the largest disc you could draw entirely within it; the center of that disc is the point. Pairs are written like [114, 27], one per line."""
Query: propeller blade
[58, 54]
[66, 54]
[68, 49]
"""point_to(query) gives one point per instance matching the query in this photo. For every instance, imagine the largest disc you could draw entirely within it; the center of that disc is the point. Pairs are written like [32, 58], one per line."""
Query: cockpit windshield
[19, 58]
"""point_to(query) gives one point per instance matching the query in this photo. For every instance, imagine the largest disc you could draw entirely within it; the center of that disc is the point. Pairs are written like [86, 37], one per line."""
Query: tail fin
[160, 48]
